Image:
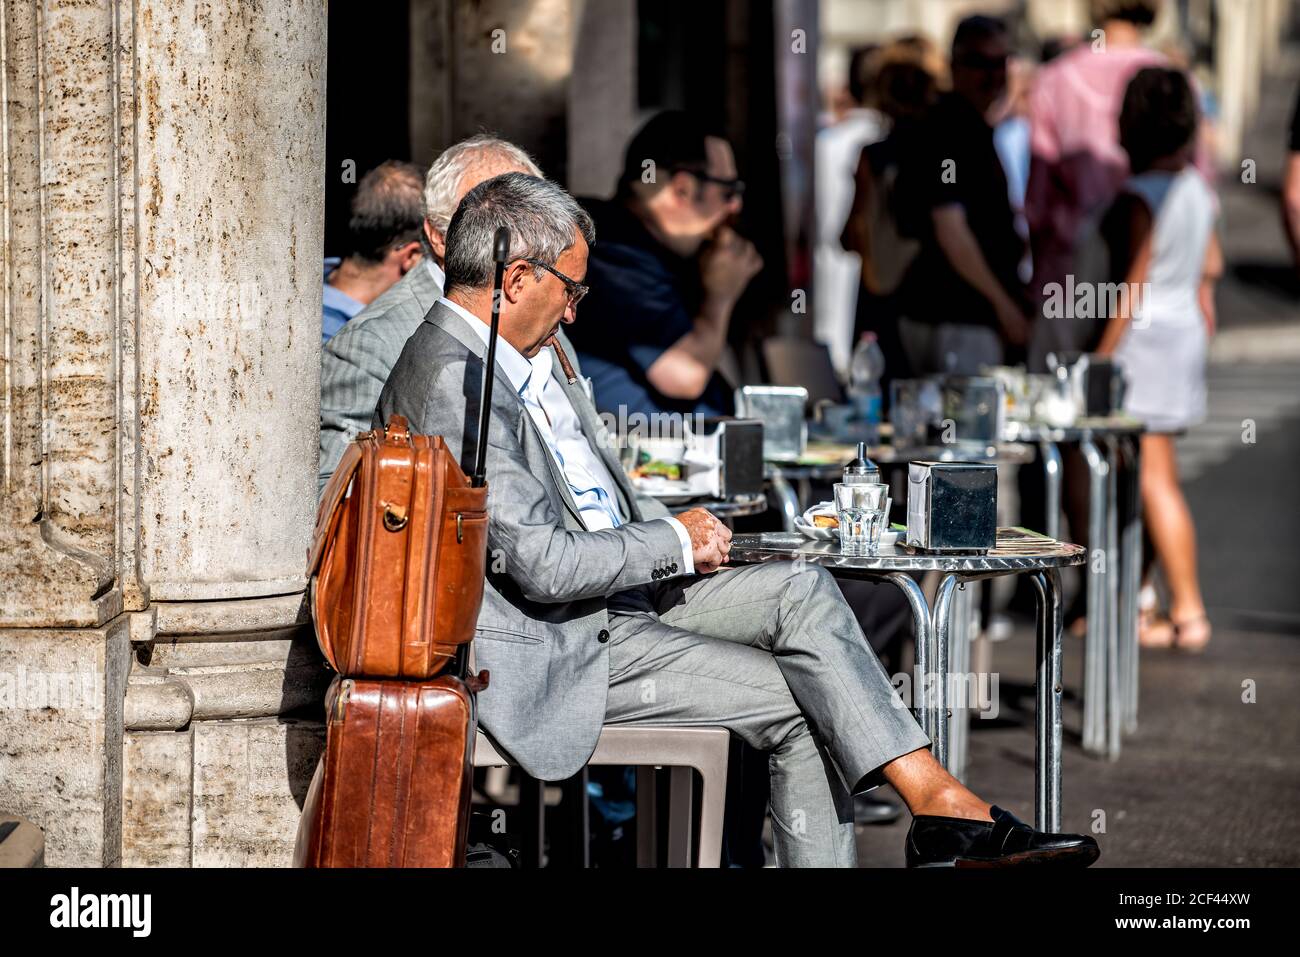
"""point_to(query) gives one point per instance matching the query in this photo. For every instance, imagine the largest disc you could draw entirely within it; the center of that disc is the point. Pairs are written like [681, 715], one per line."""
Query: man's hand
[1015, 327]
[727, 264]
[710, 540]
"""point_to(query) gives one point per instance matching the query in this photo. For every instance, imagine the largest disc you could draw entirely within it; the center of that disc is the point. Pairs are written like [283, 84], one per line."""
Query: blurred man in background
[666, 274]
[356, 363]
[836, 151]
[383, 243]
[908, 74]
[964, 288]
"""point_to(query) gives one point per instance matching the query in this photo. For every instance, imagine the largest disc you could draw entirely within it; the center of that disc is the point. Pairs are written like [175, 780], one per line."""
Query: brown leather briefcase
[393, 787]
[399, 556]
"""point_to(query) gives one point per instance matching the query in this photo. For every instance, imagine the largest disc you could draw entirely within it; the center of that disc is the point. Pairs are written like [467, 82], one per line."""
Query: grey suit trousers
[773, 653]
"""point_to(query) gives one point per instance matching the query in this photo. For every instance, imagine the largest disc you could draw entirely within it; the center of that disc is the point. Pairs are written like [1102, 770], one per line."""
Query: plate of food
[821, 524]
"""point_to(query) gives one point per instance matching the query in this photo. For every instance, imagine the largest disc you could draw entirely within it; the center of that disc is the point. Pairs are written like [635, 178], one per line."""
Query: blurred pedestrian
[1161, 233]
[1077, 164]
[835, 157]
[908, 75]
[383, 243]
[962, 295]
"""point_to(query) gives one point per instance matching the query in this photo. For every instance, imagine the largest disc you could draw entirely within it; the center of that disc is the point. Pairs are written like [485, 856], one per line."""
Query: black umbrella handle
[501, 254]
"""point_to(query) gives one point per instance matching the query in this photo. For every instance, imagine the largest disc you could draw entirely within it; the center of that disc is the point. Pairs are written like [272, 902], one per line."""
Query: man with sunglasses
[666, 275]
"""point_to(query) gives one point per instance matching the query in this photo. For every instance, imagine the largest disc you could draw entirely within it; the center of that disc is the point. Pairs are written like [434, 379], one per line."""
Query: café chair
[647, 747]
[793, 361]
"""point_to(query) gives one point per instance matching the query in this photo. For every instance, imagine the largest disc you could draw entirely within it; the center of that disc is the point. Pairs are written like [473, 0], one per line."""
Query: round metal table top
[1082, 429]
[1017, 550]
[736, 507]
[1003, 453]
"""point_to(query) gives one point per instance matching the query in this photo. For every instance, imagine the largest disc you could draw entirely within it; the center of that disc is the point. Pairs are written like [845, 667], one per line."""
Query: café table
[1016, 552]
[824, 462]
[1112, 450]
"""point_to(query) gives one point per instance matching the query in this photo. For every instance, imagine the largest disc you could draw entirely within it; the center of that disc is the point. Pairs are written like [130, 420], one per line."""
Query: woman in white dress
[1161, 233]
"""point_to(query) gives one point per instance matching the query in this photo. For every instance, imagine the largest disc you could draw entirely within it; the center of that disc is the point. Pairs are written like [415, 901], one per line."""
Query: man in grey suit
[356, 362]
[595, 614]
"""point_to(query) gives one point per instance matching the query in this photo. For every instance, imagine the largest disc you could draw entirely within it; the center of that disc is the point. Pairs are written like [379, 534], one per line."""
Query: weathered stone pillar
[162, 229]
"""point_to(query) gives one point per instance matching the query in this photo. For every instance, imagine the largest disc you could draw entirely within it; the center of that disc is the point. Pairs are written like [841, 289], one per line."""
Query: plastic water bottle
[865, 370]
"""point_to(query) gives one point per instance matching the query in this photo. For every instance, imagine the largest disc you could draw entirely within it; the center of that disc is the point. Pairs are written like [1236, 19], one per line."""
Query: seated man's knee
[812, 581]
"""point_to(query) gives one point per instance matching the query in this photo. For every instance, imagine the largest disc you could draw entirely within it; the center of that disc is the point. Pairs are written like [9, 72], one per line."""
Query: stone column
[162, 229]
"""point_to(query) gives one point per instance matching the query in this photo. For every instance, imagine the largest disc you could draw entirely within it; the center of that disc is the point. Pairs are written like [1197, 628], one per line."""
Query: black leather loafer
[1006, 841]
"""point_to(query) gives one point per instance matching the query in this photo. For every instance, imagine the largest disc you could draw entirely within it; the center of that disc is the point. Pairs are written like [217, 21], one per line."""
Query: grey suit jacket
[356, 362]
[543, 628]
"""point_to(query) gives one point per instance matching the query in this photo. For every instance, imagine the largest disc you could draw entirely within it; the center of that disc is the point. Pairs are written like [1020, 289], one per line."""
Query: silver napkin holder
[781, 410]
[737, 447]
[975, 405]
[952, 506]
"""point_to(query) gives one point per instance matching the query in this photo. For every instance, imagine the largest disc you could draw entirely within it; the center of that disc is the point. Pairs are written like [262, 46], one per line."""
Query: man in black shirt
[955, 197]
[665, 274]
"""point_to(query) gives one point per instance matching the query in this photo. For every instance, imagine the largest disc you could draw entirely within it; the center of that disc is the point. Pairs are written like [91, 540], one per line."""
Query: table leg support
[1131, 583]
[963, 696]
[1050, 456]
[1116, 570]
[1094, 679]
[941, 629]
[1047, 718]
[911, 589]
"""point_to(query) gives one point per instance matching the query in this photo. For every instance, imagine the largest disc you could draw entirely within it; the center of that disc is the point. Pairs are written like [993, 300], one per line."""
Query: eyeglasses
[731, 188]
[575, 289]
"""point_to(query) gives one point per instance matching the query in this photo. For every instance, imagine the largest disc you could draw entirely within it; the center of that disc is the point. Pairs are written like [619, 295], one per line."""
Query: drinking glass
[862, 514]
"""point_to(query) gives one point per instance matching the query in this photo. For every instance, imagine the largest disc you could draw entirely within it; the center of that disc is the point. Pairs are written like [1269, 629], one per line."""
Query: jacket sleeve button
[603, 636]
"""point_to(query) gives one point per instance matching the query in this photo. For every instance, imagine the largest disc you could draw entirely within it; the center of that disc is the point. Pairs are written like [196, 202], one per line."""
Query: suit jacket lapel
[454, 326]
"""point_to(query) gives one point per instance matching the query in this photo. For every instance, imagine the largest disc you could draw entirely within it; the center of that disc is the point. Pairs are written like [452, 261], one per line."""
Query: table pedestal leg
[1047, 718]
[1050, 456]
[963, 695]
[1094, 678]
[921, 708]
[941, 627]
[1131, 584]
[1116, 570]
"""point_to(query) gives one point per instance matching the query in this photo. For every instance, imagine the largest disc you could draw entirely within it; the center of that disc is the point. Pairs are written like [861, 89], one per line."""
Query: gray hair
[442, 184]
[542, 219]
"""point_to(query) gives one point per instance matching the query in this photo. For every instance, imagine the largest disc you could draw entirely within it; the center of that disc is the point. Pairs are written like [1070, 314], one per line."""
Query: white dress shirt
[590, 483]
[436, 271]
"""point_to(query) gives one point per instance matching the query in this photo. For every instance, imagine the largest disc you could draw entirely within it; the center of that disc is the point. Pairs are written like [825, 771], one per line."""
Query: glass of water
[862, 511]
